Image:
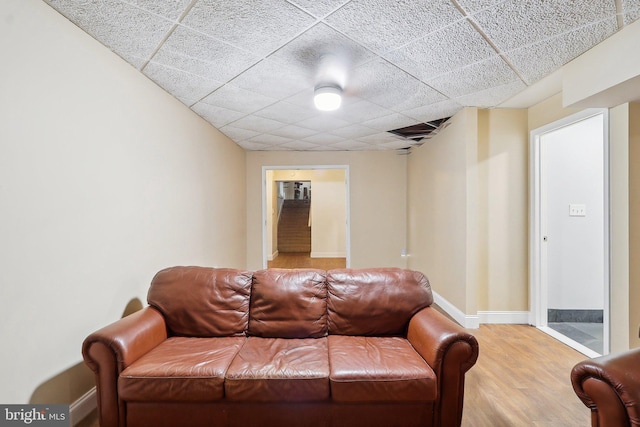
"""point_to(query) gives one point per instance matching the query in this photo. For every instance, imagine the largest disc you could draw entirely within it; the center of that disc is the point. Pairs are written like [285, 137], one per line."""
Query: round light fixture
[327, 98]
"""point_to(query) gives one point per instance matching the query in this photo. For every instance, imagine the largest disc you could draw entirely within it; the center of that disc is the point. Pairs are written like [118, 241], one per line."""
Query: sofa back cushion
[288, 304]
[375, 301]
[202, 302]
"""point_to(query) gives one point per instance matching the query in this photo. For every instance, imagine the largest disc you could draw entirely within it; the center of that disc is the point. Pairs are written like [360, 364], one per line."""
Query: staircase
[294, 233]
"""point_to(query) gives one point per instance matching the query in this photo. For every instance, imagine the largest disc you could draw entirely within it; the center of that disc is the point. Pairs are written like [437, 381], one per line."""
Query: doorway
[569, 231]
[293, 225]
[325, 192]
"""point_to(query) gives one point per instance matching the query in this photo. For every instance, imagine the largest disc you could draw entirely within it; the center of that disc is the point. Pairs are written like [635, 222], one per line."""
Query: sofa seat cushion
[180, 369]
[279, 370]
[377, 369]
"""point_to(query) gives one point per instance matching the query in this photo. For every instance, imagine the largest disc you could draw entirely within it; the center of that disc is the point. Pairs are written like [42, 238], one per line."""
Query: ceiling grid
[250, 67]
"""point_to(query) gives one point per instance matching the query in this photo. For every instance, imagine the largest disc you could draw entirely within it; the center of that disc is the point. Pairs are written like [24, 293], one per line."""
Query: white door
[572, 231]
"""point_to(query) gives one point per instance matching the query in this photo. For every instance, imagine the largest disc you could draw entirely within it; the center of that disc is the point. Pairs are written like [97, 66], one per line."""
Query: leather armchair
[610, 387]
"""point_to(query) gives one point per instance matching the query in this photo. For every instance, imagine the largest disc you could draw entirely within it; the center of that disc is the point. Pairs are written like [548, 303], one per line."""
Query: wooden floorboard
[303, 260]
[522, 379]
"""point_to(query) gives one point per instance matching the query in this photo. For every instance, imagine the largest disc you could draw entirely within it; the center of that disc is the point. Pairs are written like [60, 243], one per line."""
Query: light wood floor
[303, 260]
[522, 379]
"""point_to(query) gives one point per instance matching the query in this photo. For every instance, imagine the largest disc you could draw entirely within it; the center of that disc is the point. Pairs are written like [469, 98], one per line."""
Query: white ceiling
[249, 66]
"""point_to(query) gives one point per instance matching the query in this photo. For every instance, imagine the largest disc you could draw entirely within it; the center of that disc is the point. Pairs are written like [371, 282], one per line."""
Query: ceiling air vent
[417, 133]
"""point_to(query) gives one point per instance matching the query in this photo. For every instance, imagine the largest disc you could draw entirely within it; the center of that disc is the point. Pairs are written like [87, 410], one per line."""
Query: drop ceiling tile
[378, 138]
[325, 148]
[171, 9]
[471, 6]
[127, 30]
[234, 98]
[351, 145]
[382, 83]
[255, 146]
[293, 131]
[272, 79]
[257, 124]
[537, 60]
[199, 54]
[299, 145]
[434, 111]
[323, 123]
[304, 52]
[390, 122]
[318, 8]
[188, 88]
[268, 139]
[631, 17]
[491, 97]
[253, 65]
[283, 148]
[383, 25]
[256, 26]
[286, 112]
[238, 134]
[217, 116]
[516, 23]
[323, 139]
[360, 111]
[631, 11]
[474, 78]
[354, 131]
[439, 52]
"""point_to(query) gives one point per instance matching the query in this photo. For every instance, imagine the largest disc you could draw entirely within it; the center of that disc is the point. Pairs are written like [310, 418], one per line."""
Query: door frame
[265, 254]
[538, 285]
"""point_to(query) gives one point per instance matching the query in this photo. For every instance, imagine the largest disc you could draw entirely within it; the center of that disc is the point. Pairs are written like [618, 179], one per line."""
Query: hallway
[304, 260]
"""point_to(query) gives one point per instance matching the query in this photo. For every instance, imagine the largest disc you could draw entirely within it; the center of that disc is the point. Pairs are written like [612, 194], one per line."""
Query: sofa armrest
[610, 387]
[451, 352]
[111, 349]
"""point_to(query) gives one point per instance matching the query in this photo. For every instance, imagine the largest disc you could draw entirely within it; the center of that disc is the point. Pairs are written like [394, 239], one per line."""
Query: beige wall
[606, 75]
[468, 211]
[619, 163]
[104, 180]
[634, 224]
[271, 213]
[503, 210]
[438, 210]
[377, 202]
[549, 111]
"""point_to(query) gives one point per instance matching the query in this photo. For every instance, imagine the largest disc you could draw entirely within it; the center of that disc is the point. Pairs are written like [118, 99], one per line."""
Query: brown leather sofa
[224, 347]
[610, 387]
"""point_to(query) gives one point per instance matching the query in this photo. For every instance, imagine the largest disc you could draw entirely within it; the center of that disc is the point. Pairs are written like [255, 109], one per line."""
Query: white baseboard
[82, 407]
[272, 256]
[328, 255]
[465, 320]
[483, 317]
[504, 317]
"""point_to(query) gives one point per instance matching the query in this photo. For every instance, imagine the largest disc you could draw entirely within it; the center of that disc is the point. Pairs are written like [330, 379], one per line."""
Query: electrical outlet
[577, 210]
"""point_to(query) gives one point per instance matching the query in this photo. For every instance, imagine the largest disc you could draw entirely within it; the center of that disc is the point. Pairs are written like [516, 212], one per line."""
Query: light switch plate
[577, 210]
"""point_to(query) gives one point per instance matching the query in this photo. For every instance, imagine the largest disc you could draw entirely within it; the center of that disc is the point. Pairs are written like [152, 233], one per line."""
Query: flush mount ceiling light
[327, 97]
[331, 77]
